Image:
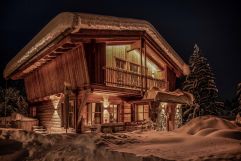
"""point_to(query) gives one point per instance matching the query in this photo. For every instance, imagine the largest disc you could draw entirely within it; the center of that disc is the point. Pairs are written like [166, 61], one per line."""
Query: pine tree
[200, 82]
[239, 97]
[237, 102]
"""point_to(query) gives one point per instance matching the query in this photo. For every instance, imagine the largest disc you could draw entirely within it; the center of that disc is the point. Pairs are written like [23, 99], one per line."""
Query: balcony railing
[127, 79]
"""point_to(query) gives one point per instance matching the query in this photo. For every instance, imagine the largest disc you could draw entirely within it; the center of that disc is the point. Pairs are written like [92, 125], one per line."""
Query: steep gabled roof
[68, 22]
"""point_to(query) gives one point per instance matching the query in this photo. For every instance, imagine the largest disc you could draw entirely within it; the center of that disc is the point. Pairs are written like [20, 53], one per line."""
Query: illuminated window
[134, 68]
[120, 64]
[124, 68]
[142, 112]
[113, 113]
[94, 111]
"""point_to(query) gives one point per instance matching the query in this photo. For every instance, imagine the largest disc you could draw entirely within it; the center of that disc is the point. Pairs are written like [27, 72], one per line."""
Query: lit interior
[124, 53]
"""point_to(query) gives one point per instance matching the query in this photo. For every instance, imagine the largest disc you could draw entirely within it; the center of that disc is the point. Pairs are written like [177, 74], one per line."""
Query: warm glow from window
[122, 57]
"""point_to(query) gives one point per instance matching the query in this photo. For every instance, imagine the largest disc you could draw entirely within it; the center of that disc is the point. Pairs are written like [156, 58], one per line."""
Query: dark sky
[215, 26]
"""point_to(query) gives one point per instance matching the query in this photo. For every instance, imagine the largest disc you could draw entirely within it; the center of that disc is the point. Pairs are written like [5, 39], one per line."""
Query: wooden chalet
[83, 70]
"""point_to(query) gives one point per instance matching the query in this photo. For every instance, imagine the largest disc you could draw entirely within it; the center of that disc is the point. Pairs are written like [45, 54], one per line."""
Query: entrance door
[171, 110]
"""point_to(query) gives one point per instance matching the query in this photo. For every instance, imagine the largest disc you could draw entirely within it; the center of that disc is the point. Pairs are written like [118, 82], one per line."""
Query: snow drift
[64, 147]
[203, 138]
[211, 126]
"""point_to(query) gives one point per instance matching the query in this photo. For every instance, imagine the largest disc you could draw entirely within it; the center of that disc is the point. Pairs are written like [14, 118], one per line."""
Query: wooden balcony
[126, 79]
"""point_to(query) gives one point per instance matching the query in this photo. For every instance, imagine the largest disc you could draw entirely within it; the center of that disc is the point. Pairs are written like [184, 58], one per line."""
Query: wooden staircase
[39, 130]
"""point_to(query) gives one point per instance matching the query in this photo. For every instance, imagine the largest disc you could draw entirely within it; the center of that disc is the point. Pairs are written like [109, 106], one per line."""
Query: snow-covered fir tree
[237, 104]
[200, 82]
[239, 96]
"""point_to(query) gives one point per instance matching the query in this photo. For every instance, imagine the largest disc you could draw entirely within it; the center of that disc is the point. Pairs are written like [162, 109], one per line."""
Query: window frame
[143, 106]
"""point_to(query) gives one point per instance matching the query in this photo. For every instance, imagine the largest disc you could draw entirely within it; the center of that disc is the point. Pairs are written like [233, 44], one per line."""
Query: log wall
[49, 115]
[49, 79]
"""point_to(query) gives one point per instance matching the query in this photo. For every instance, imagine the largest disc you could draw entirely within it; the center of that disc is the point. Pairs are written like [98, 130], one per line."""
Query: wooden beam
[63, 50]
[68, 45]
[135, 46]
[155, 58]
[51, 51]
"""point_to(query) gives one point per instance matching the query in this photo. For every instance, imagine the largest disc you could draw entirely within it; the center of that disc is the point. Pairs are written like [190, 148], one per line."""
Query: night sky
[214, 26]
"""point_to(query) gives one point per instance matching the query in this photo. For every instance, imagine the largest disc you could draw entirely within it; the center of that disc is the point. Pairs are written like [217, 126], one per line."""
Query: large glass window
[94, 113]
[142, 112]
[97, 114]
[113, 113]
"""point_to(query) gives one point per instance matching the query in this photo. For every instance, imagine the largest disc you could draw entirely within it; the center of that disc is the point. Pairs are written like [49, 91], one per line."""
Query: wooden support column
[84, 97]
[67, 92]
[141, 65]
[66, 110]
[76, 112]
[144, 44]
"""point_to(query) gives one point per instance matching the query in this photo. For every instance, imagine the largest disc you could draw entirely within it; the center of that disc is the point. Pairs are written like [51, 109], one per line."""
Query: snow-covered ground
[204, 138]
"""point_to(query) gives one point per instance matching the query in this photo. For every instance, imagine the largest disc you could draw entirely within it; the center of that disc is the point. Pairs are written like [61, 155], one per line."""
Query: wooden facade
[97, 76]
[49, 79]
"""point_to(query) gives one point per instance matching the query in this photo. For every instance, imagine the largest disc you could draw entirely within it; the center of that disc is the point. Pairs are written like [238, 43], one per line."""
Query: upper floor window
[134, 68]
[121, 64]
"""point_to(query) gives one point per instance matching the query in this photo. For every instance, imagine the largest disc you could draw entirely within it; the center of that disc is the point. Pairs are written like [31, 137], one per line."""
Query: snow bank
[178, 146]
[66, 147]
[53, 146]
[204, 138]
[211, 126]
[227, 133]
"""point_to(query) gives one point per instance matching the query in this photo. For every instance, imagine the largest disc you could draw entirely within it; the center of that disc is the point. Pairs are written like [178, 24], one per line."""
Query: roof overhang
[69, 23]
[177, 96]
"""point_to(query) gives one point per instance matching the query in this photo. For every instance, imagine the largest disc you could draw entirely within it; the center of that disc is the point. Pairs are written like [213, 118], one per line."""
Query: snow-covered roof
[177, 96]
[68, 22]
